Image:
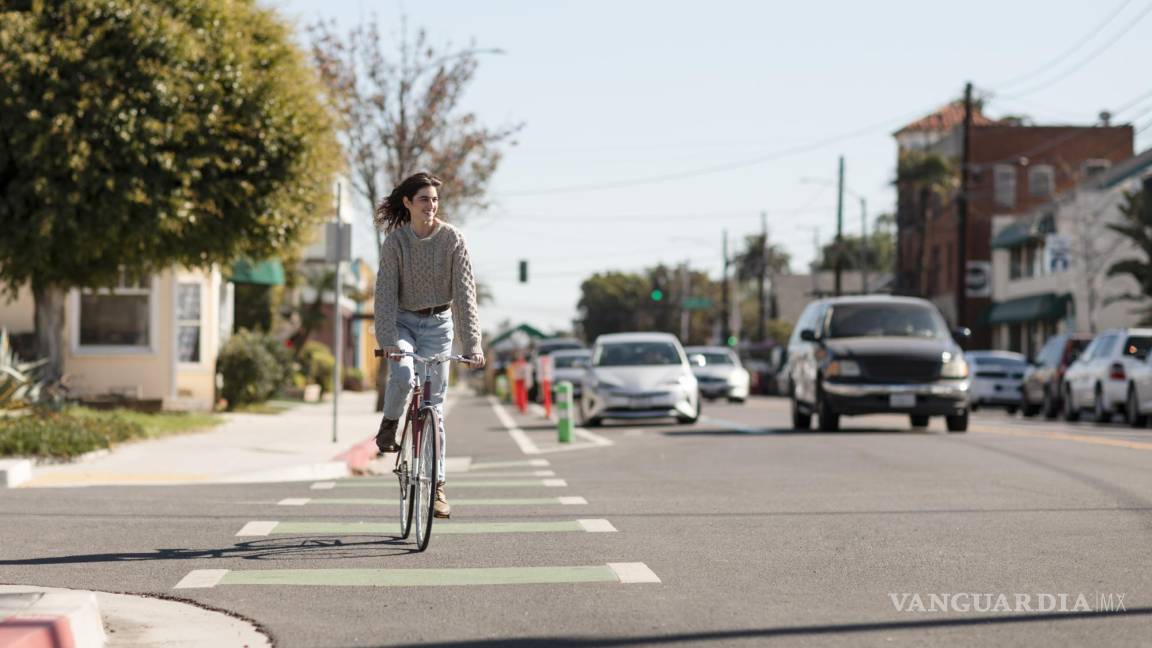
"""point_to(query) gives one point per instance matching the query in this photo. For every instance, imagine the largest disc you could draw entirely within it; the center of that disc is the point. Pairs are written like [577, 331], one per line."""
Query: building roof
[1137, 165]
[946, 118]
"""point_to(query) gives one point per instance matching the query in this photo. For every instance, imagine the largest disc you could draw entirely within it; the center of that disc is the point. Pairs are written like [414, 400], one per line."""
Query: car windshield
[545, 349]
[717, 358]
[623, 354]
[569, 361]
[986, 361]
[885, 320]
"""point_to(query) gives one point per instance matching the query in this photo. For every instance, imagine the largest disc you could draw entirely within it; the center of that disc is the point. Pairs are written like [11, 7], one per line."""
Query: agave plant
[20, 382]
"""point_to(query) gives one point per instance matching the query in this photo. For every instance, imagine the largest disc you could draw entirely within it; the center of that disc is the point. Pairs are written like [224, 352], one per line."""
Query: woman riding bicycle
[424, 289]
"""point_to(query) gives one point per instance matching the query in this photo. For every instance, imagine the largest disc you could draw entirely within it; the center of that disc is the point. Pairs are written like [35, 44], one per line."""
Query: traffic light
[523, 271]
[657, 294]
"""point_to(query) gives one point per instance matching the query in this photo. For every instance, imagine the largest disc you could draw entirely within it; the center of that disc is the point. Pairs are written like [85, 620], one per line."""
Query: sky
[653, 128]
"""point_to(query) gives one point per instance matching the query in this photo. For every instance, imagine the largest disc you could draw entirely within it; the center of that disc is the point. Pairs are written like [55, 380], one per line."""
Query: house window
[188, 321]
[1094, 167]
[117, 317]
[1041, 181]
[1004, 185]
[1025, 262]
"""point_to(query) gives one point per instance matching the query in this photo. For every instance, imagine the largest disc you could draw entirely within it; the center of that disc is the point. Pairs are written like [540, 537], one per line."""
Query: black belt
[428, 312]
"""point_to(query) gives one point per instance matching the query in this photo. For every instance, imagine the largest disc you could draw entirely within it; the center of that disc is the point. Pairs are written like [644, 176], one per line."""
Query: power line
[1088, 59]
[1072, 50]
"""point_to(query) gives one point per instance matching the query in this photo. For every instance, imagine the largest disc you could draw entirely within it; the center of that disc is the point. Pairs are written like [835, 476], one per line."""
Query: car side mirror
[697, 360]
[961, 333]
[808, 335]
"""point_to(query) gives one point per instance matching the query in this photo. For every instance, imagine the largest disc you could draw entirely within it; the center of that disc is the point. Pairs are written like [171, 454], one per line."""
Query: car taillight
[1117, 372]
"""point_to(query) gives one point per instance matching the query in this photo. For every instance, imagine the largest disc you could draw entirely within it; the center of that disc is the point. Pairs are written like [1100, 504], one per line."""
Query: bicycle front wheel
[425, 476]
[407, 484]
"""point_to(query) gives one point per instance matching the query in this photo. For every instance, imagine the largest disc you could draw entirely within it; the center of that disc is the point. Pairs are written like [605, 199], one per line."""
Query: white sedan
[997, 379]
[720, 373]
[639, 376]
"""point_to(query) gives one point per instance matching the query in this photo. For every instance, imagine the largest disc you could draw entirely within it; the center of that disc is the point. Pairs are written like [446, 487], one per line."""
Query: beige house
[152, 338]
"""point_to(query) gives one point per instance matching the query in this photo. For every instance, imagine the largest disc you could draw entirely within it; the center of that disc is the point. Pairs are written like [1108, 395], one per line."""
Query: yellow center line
[1079, 438]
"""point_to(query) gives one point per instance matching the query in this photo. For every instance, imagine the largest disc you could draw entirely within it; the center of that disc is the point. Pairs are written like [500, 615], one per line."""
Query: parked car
[1042, 381]
[876, 354]
[639, 376]
[569, 365]
[543, 348]
[721, 375]
[1100, 378]
[997, 379]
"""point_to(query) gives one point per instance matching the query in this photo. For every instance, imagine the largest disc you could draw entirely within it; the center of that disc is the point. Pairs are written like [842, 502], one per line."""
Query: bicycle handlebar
[436, 359]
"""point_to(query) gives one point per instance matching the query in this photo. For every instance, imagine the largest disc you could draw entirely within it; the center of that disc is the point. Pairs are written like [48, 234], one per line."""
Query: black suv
[876, 355]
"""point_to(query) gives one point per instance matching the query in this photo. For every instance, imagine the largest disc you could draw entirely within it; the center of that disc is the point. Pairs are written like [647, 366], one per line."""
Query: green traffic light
[732, 340]
[657, 295]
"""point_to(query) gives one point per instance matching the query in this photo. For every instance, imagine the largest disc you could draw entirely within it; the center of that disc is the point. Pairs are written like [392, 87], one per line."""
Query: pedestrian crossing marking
[381, 501]
[264, 528]
[619, 573]
[476, 475]
[535, 463]
[202, 578]
[555, 483]
[257, 528]
[323, 485]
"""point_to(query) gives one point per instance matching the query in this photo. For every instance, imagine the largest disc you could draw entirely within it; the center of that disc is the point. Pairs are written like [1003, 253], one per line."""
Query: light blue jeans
[426, 336]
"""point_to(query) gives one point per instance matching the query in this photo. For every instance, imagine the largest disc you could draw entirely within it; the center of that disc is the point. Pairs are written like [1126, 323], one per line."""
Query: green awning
[1014, 235]
[269, 272]
[1042, 308]
[527, 329]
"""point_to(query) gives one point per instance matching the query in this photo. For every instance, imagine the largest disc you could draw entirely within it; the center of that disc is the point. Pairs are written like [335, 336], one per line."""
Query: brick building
[1013, 168]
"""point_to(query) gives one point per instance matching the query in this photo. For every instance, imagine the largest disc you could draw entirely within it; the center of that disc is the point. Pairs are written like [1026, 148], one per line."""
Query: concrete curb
[37, 619]
[14, 472]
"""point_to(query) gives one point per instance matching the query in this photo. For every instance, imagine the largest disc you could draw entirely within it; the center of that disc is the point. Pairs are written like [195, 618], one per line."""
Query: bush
[353, 379]
[62, 435]
[317, 362]
[284, 359]
[252, 371]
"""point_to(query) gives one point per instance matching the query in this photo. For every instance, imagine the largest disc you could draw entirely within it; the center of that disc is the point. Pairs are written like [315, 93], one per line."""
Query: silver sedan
[639, 376]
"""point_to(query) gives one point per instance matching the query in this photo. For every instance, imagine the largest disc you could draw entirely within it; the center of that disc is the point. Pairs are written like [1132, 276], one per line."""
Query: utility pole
[839, 227]
[685, 314]
[337, 325]
[724, 330]
[864, 244]
[763, 271]
[962, 213]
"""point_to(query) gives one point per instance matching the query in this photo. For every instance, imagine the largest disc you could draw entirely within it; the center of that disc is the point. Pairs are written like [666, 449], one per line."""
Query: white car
[997, 379]
[639, 376]
[722, 375]
[1101, 378]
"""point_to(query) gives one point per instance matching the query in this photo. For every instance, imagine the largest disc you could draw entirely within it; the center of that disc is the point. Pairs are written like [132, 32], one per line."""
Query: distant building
[1049, 265]
[795, 291]
[1013, 168]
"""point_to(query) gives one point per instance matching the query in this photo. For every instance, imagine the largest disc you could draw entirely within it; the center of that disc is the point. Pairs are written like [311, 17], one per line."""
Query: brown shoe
[441, 508]
[386, 437]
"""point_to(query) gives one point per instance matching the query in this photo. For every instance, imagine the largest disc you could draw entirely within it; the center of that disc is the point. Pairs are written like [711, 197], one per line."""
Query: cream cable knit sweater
[418, 273]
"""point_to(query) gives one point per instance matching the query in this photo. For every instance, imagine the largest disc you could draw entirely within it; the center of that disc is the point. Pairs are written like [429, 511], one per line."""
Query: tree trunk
[50, 327]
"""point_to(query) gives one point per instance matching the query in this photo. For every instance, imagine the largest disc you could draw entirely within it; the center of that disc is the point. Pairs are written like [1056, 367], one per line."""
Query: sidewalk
[295, 445]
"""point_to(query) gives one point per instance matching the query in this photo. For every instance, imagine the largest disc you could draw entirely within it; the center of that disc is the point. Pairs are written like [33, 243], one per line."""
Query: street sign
[695, 303]
[978, 279]
[1057, 253]
[337, 242]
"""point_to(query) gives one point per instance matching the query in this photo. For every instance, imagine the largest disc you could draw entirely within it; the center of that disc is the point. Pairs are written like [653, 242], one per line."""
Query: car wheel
[1069, 406]
[1027, 409]
[1132, 410]
[736, 401]
[588, 421]
[919, 420]
[1051, 405]
[800, 420]
[1011, 410]
[1100, 413]
[826, 418]
[957, 422]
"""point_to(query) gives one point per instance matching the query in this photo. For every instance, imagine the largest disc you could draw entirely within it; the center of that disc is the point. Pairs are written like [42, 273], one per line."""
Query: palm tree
[923, 176]
[1136, 225]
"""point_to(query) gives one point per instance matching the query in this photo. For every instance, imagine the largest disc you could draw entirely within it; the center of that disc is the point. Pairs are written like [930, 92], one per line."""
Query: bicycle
[416, 462]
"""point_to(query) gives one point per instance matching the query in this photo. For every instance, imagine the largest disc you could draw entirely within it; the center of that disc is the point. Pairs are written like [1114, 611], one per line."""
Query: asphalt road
[758, 535]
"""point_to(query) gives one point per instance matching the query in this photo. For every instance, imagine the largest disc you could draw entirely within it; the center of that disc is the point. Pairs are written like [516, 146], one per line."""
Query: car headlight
[842, 369]
[957, 367]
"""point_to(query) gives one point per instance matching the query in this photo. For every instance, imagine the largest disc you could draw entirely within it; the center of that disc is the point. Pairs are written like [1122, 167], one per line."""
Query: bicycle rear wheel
[425, 486]
[407, 486]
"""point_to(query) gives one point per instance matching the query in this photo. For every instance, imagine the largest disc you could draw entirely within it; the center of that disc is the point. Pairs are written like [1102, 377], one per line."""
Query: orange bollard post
[547, 387]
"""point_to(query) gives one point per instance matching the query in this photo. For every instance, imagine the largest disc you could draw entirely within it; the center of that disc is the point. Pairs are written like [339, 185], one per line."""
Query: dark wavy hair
[391, 212]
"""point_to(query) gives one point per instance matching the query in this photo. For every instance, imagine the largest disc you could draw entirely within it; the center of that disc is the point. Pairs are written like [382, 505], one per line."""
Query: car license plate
[902, 400]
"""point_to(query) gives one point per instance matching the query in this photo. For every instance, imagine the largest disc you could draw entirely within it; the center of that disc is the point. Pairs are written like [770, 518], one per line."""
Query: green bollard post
[564, 412]
[502, 387]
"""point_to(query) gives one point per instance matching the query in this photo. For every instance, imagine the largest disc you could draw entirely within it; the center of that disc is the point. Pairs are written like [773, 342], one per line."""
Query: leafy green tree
[615, 302]
[1136, 225]
[138, 135]
[877, 253]
[928, 180]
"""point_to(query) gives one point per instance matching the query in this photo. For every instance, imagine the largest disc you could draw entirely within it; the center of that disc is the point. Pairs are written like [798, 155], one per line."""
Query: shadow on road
[793, 631]
[316, 548]
[721, 431]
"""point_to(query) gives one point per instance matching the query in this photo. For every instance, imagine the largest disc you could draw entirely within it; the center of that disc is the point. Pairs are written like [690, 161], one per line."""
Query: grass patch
[78, 430]
[267, 407]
